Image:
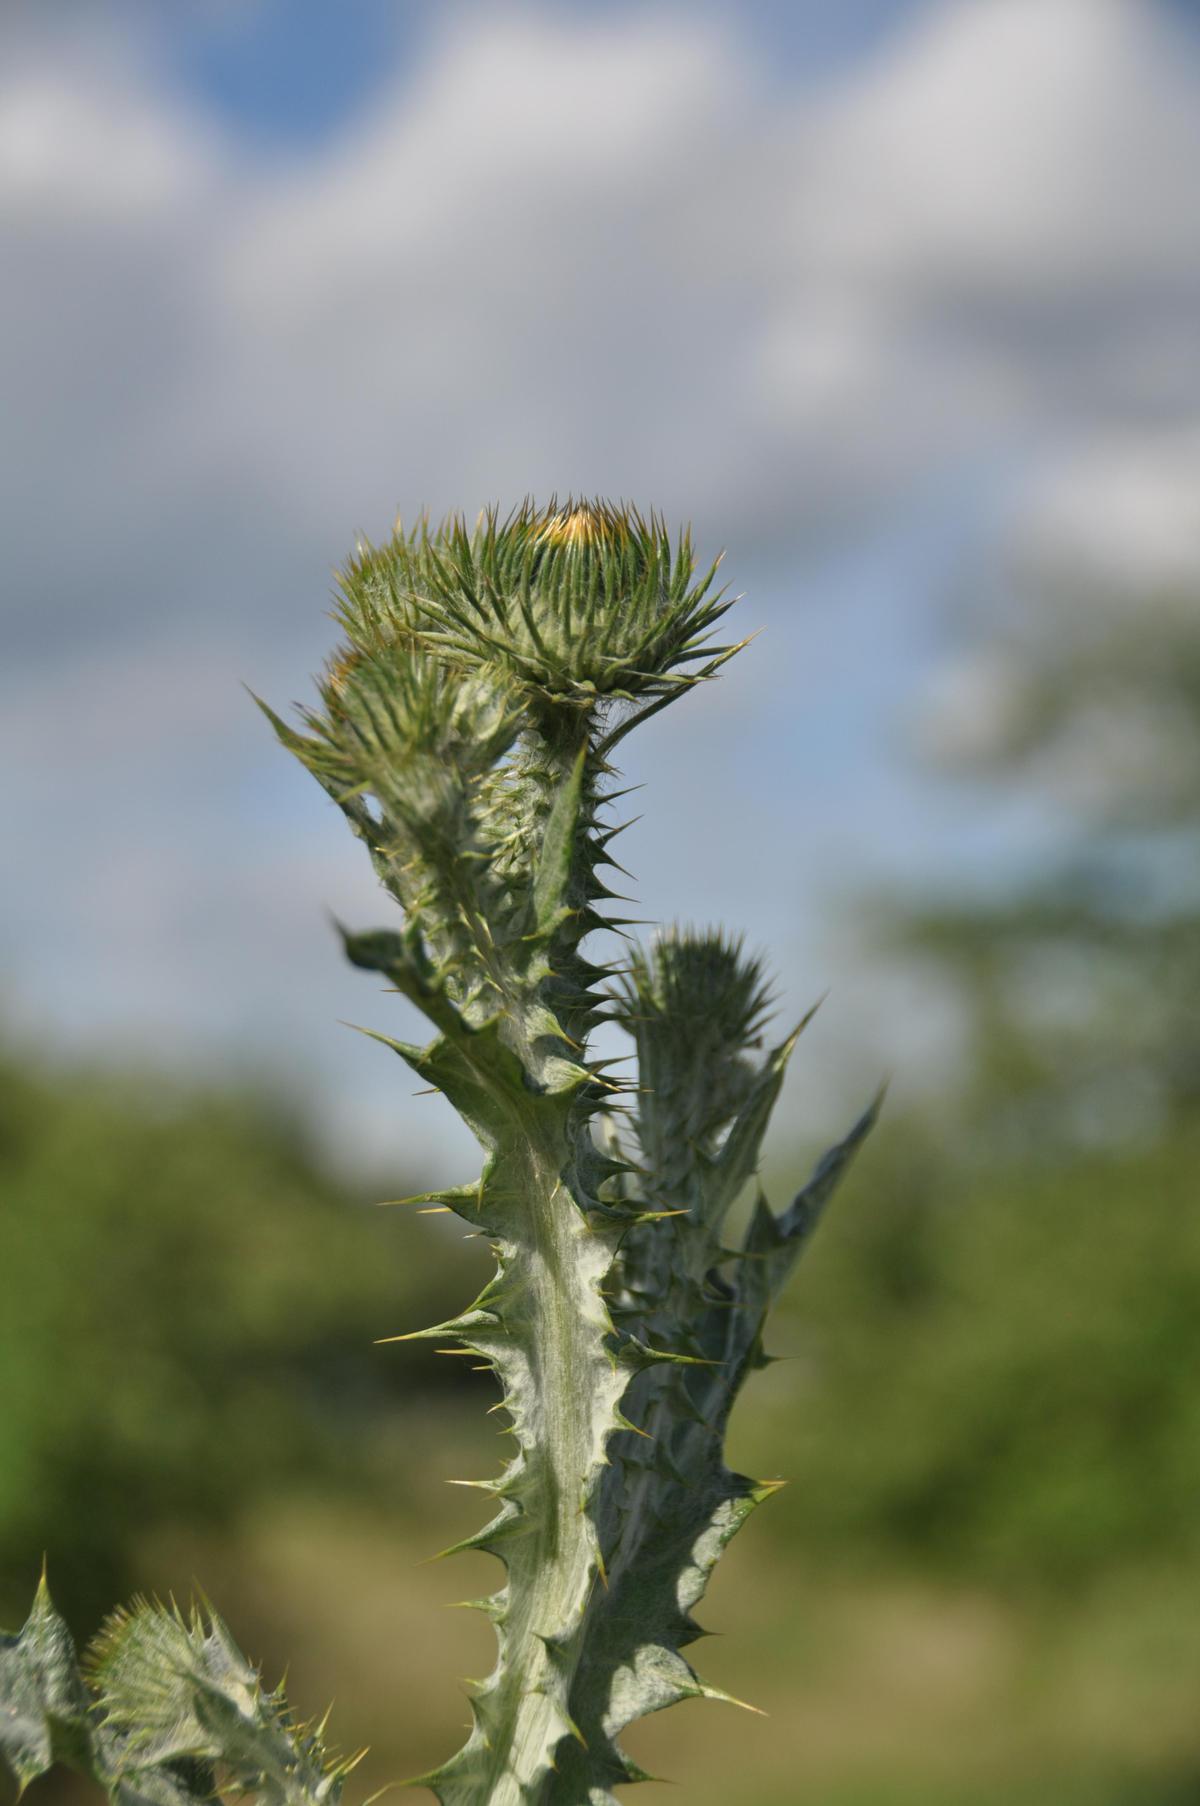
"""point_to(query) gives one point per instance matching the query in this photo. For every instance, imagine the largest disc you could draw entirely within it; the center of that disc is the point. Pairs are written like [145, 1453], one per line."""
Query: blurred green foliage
[187, 1303]
[995, 1373]
[998, 1368]
[992, 1398]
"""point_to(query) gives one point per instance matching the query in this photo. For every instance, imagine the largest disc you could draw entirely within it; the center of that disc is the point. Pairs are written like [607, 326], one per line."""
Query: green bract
[170, 1713]
[466, 730]
[576, 602]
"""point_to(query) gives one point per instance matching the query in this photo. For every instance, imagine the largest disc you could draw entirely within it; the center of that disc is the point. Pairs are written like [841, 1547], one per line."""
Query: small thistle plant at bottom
[466, 728]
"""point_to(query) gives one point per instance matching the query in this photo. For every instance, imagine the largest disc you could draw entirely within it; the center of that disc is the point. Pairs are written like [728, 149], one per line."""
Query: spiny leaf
[45, 1711]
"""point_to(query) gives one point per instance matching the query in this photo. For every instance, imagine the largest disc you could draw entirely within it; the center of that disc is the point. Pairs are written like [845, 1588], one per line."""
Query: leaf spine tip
[729, 1699]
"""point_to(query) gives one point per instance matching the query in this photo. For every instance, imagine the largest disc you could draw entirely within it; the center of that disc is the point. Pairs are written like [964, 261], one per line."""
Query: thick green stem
[562, 1387]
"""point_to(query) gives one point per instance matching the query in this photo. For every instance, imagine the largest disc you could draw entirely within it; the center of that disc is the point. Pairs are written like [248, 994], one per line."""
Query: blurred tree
[997, 1367]
[187, 1304]
[1001, 1326]
[1082, 986]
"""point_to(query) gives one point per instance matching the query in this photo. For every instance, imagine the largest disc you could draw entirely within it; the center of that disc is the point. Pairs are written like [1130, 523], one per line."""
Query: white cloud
[989, 235]
[1010, 151]
[71, 153]
[572, 252]
[1100, 546]
[1118, 517]
[578, 252]
[490, 285]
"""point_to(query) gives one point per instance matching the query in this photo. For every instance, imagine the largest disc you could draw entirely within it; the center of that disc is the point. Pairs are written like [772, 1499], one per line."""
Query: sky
[886, 297]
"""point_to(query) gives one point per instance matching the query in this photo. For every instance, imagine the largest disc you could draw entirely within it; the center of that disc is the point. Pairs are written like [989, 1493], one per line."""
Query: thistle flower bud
[577, 603]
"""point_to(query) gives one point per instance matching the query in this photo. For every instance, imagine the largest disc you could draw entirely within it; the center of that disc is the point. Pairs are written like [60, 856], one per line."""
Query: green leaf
[45, 1712]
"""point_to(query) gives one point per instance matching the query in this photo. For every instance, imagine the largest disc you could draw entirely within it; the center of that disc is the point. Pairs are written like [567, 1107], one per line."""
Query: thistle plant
[466, 729]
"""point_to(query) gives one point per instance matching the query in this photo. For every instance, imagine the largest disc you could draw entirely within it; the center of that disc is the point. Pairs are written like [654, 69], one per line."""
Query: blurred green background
[980, 1585]
[897, 300]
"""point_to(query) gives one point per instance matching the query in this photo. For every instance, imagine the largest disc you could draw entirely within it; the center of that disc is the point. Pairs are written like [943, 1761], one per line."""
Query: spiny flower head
[395, 716]
[576, 603]
[402, 741]
[700, 981]
[696, 1007]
